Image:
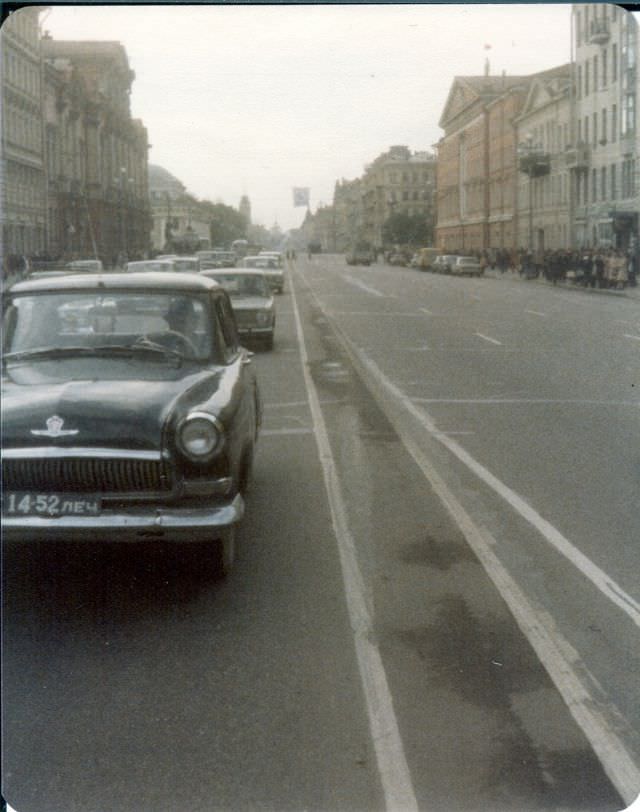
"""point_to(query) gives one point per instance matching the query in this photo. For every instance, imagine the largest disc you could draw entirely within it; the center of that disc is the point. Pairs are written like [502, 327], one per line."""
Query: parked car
[359, 256]
[397, 258]
[140, 425]
[273, 273]
[443, 263]
[186, 264]
[85, 265]
[467, 266]
[216, 258]
[277, 255]
[164, 265]
[251, 301]
[426, 257]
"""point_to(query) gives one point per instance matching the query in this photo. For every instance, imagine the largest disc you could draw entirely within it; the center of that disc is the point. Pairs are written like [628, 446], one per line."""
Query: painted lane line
[488, 338]
[637, 338]
[528, 401]
[392, 765]
[280, 432]
[427, 312]
[375, 313]
[536, 313]
[559, 659]
[367, 288]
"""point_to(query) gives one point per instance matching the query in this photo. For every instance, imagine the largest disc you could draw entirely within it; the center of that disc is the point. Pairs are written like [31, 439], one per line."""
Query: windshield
[151, 265]
[186, 264]
[86, 321]
[243, 285]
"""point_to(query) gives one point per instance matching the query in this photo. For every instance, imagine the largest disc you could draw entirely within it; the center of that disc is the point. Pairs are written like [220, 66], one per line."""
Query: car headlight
[262, 317]
[200, 436]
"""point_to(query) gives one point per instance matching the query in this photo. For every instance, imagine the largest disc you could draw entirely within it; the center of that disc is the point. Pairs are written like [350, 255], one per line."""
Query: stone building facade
[176, 215]
[397, 181]
[22, 165]
[96, 154]
[606, 162]
[544, 180]
[477, 168]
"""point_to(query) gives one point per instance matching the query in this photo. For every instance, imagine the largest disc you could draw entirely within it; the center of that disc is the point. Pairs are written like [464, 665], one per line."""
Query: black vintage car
[130, 411]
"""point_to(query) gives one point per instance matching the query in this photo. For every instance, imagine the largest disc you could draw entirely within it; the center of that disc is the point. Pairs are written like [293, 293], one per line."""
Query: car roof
[239, 271]
[150, 281]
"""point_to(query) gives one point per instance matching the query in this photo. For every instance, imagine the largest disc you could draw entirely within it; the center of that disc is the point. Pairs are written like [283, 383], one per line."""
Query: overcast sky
[258, 99]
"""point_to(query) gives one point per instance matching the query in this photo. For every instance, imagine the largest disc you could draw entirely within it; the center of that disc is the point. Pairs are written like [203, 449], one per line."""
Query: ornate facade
[96, 154]
[22, 166]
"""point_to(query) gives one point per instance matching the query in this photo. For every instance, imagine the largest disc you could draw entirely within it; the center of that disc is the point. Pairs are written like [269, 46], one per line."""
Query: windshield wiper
[102, 349]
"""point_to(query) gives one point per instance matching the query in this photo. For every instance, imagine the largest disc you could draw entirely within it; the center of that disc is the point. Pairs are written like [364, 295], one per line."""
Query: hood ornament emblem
[54, 428]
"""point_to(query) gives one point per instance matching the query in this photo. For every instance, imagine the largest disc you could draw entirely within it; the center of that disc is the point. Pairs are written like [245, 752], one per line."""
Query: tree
[226, 224]
[405, 229]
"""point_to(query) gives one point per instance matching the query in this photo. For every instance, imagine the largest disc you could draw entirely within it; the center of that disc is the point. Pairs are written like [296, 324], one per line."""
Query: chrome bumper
[139, 523]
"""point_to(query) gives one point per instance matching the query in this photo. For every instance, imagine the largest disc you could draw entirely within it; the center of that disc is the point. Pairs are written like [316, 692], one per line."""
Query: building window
[595, 128]
[604, 67]
[614, 123]
[612, 175]
[614, 62]
[586, 129]
[594, 185]
[603, 183]
[595, 74]
[579, 82]
[586, 78]
[603, 126]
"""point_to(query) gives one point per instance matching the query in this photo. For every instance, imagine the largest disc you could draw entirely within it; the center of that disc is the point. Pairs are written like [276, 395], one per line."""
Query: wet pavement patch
[441, 554]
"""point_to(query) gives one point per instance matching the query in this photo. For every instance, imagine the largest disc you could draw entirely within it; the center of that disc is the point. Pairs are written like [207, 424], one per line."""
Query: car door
[240, 382]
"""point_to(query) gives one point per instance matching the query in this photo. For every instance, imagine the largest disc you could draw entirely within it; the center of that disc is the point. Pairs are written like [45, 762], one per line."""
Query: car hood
[105, 408]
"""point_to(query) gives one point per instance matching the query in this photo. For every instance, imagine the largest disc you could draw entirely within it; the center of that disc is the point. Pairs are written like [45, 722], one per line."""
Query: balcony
[577, 157]
[599, 32]
[533, 160]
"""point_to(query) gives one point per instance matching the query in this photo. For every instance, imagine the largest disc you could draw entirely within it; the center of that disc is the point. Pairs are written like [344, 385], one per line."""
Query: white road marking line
[392, 764]
[637, 338]
[488, 338]
[536, 313]
[375, 313]
[353, 281]
[549, 645]
[527, 401]
[279, 432]
[424, 310]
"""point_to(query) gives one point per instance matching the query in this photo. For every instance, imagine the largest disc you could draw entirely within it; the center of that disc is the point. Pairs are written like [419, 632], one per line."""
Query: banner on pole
[300, 196]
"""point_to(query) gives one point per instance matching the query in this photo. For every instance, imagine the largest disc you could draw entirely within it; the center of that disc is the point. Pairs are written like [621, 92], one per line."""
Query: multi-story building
[22, 165]
[477, 168]
[348, 214]
[178, 218]
[542, 137]
[96, 154]
[397, 181]
[605, 157]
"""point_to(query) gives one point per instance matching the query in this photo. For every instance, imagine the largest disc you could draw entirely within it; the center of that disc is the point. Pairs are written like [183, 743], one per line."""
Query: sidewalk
[629, 293]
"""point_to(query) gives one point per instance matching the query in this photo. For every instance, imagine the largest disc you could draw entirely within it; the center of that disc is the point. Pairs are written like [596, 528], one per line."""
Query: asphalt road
[361, 657]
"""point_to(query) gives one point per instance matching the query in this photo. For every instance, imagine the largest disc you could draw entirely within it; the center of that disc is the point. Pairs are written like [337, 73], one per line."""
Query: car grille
[86, 475]
[246, 318]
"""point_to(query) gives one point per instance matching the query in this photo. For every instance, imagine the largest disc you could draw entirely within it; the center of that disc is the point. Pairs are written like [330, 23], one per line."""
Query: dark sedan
[130, 410]
[251, 301]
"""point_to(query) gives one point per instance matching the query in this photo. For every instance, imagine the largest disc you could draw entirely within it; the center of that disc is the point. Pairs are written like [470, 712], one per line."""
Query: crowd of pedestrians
[592, 268]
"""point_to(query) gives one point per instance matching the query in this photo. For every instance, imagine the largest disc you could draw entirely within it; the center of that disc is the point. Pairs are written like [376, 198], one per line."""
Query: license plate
[49, 504]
